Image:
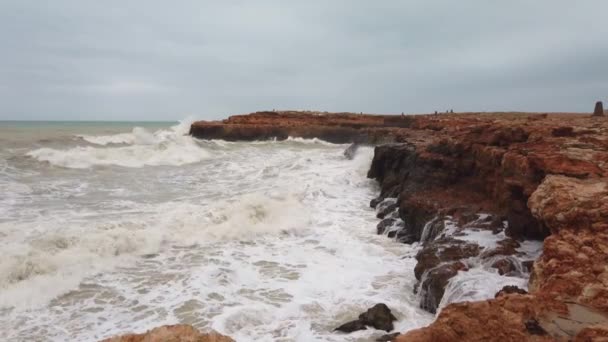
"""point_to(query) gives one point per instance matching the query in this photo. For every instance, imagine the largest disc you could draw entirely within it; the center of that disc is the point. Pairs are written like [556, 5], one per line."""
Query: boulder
[378, 317]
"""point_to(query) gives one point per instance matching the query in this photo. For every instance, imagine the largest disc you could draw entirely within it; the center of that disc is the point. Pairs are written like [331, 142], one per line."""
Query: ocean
[115, 227]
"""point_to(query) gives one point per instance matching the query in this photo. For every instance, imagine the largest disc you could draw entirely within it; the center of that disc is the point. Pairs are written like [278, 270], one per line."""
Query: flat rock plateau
[525, 176]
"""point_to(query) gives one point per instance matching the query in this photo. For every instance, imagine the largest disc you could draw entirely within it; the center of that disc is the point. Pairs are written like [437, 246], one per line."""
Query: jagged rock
[434, 282]
[443, 250]
[172, 333]
[505, 265]
[384, 224]
[500, 319]
[374, 202]
[599, 109]
[385, 210]
[504, 247]
[509, 289]
[379, 317]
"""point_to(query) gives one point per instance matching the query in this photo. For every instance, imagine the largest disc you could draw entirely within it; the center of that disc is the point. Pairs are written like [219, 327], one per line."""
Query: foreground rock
[378, 317]
[172, 333]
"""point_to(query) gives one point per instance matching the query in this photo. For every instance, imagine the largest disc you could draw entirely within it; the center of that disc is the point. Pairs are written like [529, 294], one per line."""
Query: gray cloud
[72, 59]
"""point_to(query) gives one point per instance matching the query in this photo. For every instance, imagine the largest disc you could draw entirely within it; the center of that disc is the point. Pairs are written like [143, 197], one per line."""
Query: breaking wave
[64, 256]
[171, 147]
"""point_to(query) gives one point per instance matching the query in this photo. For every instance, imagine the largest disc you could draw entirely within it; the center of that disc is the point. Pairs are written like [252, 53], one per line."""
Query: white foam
[268, 241]
[164, 147]
[477, 284]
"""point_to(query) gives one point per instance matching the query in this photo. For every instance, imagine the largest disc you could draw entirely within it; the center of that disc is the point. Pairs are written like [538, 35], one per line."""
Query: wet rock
[406, 236]
[527, 265]
[383, 211]
[504, 247]
[350, 152]
[374, 202]
[352, 326]
[432, 229]
[387, 337]
[509, 289]
[443, 250]
[505, 265]
[434, 282]
[599, 109]
[379, 317]
[384, 224]
[175, 333]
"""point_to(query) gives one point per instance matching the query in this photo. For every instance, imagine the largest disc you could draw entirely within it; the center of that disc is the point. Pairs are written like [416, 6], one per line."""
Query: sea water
[108, 228]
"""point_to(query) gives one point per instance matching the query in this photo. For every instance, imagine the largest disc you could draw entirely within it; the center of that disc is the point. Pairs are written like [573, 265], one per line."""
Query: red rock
[172, 333]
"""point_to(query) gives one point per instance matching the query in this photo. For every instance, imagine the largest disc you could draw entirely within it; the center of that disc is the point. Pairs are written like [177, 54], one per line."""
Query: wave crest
[164, 147]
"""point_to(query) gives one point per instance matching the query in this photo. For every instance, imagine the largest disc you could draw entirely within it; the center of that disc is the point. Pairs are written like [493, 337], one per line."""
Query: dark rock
[432, 229]
[350, 152]
[434, 282]
[599, 109]
[443, 250]
[528, 264]
[504, 247]
[385, 210]
[510, 289]
[534, 328]
[384, 224]
[379, 316]
[374, 202]
[388, 337]
[351, 326]
[406, 236]
[504, 265]
[563, 131]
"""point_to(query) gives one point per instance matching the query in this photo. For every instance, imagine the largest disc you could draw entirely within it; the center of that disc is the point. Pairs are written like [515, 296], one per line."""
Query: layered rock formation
[544, 176]
[336, 127]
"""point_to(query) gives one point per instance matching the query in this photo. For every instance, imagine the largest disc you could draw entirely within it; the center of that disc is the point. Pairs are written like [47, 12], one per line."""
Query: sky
[167, 60]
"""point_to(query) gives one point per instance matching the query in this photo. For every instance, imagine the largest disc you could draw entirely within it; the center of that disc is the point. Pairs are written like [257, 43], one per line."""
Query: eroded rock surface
[172, 333]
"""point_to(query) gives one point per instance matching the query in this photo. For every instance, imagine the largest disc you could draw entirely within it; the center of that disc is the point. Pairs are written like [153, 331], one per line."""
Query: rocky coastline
[476, 189]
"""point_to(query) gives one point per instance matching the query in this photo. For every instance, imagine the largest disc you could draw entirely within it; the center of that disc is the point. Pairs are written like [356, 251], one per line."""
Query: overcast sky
[165, 60]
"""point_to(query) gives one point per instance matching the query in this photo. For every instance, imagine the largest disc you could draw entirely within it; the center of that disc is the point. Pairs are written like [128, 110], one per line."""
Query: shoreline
[530, 176]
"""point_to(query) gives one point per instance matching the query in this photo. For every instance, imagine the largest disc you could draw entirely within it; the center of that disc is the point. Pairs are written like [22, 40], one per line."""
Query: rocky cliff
[538, 177]
[334, 127]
